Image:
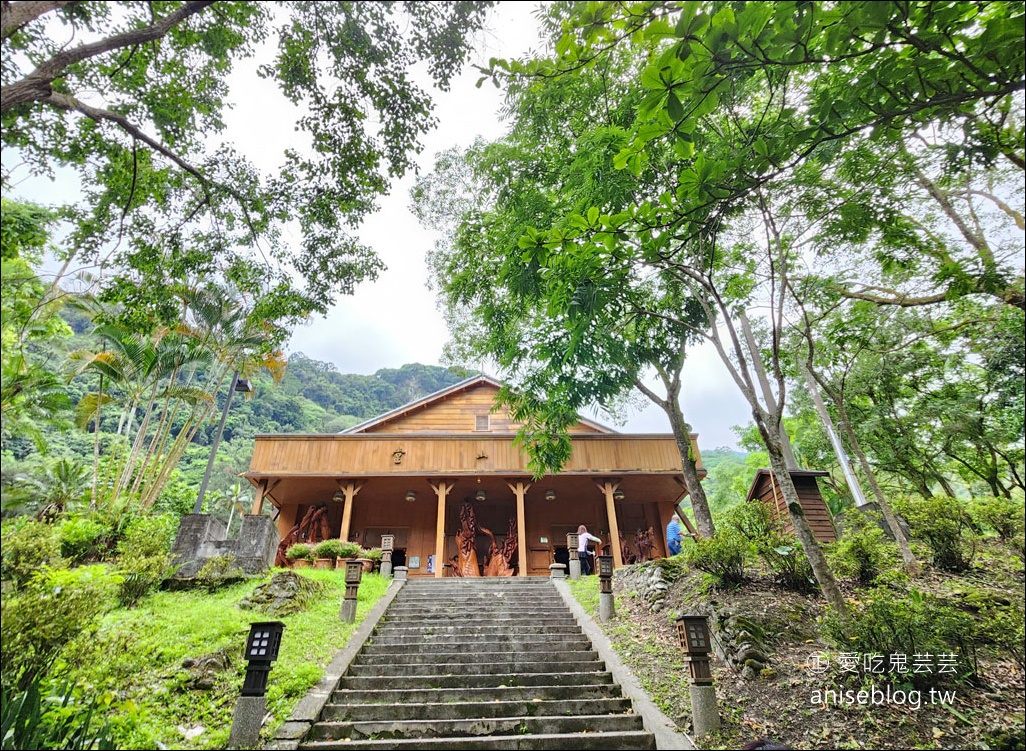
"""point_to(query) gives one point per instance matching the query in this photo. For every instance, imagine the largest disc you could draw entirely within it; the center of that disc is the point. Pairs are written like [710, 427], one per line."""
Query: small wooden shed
[764, 487]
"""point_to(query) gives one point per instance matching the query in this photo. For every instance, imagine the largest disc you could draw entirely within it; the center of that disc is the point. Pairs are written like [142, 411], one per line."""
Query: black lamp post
[238, 384]
[261, 650]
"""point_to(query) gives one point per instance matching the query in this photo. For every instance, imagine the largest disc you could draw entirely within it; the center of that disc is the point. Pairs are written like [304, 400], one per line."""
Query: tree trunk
[912, 566]
[813, 552]
[696, 492]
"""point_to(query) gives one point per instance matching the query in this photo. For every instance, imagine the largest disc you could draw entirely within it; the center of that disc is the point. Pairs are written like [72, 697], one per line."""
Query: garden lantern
[693, 635]
[605, 572]
[261, 650]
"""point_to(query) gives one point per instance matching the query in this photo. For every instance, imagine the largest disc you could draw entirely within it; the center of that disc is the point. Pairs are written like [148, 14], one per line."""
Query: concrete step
[476, 680]
[401, 628]
[477, 664]
[633, 741]
[474, 726]
[414, 656]
[486, 643]
[481, 694]
[472, 613]
[461, 710]
[382, 670]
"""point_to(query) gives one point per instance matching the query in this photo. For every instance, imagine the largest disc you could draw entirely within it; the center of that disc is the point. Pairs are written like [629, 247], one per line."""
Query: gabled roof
[439, 396]
[763, 473]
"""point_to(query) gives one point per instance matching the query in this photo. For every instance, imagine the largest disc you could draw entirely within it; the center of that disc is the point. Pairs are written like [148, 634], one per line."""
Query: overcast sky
[395, 320]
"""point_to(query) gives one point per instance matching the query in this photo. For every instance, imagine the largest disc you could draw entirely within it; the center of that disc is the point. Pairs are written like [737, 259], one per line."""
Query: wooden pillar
[349, 490]
[608, 487]
[442, 489]
[264, 489]
[258, 501]
[519, 489]
[679, 511]
[287, 520]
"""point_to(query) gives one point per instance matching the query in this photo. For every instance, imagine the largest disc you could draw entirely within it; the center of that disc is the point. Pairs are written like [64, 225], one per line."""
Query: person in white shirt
[582, 549]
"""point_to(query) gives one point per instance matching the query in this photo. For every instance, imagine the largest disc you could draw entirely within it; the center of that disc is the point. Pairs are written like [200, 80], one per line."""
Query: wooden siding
[456, 413]
[816, 512]
[398, 454]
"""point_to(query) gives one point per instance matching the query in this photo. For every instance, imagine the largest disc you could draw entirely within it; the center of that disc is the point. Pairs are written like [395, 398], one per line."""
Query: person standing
[582, 549]
[674, 535]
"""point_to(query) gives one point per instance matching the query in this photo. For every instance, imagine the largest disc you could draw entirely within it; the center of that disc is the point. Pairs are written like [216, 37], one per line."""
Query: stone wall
[202, 537]
[733, 637]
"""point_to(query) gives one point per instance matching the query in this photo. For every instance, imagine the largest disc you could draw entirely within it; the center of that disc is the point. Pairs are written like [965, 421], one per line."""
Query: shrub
[28, 545]
[300, 551]
[219, 571]
[944, 525]
[863, 552]
[56, 606]
[725, 556]
[145, 556]
[329, 548]
[61, 723]
[350, 550]
[753, 522]
[373, 554]
[1002, 515]
[791, 569]
[885, 622]
[81, 538]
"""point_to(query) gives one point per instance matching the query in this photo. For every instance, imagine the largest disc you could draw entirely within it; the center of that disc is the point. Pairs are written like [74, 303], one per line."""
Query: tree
[31, 391]
[523, 312]
[167, 384]
[846, 71]
[131, 96]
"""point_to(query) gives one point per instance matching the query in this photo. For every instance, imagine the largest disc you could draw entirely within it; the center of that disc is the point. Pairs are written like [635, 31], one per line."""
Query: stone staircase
[477, 664]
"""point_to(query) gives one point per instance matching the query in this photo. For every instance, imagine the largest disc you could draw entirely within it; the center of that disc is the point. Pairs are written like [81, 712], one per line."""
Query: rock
[205, 670]
[768, 673]
[755, 665]
[748, 673]
[287, 592]
[191, 731]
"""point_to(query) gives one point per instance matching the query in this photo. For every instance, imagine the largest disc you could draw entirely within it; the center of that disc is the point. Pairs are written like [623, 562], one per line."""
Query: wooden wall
[816, 512]
[457, 413]
[337, 455]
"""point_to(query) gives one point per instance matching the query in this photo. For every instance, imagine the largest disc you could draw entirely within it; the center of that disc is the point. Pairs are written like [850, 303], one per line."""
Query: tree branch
[68, 102]
[15, 15]
[36, 86]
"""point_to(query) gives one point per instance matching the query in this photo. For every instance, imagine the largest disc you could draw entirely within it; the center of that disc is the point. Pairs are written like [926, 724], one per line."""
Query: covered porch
[413, 486]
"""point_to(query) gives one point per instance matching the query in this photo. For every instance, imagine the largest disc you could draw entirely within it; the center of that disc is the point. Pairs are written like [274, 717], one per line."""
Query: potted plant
[326, 552]
[371, 558]
[300, 555]
[348, 551]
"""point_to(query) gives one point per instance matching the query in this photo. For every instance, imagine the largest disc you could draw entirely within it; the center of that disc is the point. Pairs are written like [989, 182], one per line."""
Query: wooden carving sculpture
[465, 561]
[500, 559]
[313, 528]
[645, 542]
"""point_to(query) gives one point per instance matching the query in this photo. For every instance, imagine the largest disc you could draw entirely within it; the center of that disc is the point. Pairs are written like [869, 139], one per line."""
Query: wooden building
[764, 487]
[411, 471]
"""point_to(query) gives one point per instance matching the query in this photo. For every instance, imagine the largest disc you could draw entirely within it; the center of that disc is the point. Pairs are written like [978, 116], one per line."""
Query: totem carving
[500, 559]
[464, 563]
[312, 529]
